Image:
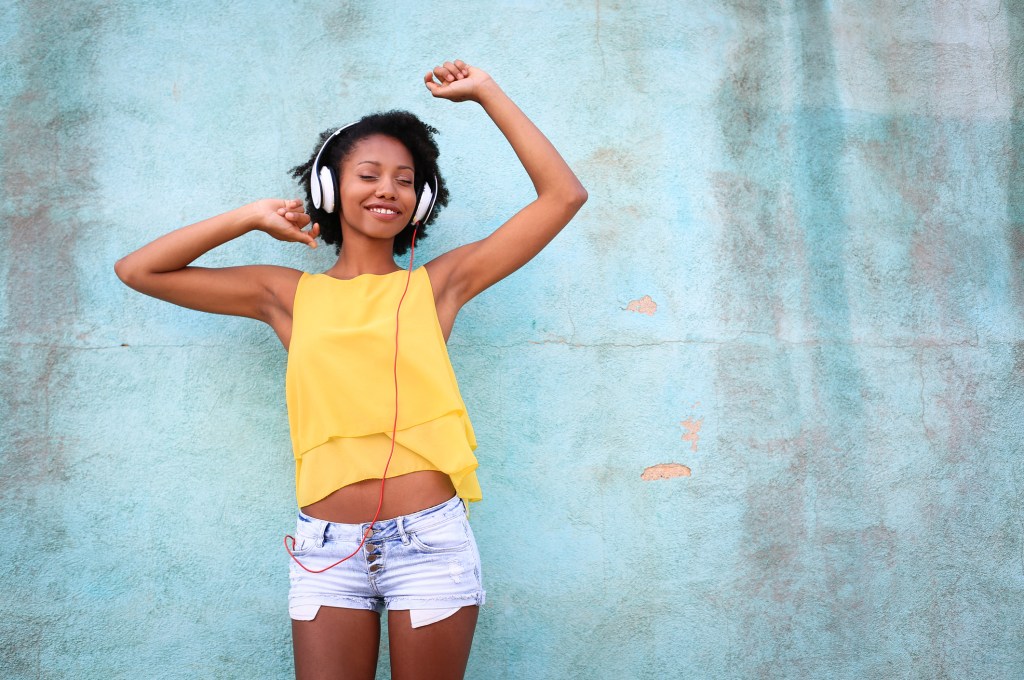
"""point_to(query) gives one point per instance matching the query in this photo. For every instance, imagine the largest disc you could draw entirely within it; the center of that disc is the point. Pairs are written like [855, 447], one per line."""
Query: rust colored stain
[644, 305]
[665, 471]
[692, 431]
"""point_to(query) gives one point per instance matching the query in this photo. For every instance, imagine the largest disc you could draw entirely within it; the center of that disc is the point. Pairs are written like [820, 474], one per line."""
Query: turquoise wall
[758, 412]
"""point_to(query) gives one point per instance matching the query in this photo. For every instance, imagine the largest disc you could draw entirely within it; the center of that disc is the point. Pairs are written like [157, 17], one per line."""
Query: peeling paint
[645, 305]
[665, 471]
[692, 434]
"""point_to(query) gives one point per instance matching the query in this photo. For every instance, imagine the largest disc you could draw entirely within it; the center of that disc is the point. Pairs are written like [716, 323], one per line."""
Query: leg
[438, 651]
[338, 644]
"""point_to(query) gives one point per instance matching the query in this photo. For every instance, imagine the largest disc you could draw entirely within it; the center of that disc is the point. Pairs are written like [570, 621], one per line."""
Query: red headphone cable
[394, 431]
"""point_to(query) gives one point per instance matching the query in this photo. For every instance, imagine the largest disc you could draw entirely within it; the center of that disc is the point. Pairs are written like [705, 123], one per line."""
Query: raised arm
[475, 266]
[161, 268]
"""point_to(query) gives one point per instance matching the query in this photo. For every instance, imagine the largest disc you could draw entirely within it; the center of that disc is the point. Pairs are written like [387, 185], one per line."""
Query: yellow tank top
[339, 386]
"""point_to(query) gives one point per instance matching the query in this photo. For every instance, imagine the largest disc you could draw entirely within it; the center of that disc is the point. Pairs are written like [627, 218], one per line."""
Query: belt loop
[400, 522]
[321, 532]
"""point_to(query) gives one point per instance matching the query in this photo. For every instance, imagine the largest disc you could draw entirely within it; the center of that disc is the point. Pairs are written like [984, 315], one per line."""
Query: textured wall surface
[757, 413]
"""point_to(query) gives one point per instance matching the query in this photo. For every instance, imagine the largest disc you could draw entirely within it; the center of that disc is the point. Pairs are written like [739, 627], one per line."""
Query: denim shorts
[425, 560]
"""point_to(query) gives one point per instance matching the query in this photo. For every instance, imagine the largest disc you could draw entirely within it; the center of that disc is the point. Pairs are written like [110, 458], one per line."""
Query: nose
[386, 188]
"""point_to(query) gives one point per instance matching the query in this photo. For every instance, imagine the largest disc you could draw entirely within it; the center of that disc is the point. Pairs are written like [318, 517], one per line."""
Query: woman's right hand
[284, 219]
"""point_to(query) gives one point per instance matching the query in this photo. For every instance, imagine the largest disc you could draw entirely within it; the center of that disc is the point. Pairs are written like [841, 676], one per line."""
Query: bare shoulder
[448, 276]
[276, 275]
[440, 272]
[281, 283]
[443, 272]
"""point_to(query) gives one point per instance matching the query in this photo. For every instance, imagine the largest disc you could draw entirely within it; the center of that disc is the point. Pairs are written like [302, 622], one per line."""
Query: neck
[362, 255]
[354, 260]
[343, 269]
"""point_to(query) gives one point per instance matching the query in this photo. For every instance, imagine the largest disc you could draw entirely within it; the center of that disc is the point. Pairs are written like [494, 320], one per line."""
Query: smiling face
[378, 194]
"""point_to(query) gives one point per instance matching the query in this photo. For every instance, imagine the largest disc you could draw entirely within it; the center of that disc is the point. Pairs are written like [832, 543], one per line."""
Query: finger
[462, 66]
[289, 205]
[428, 80]
[299, 219]
[443, 74]
[281, 229]
[288, 226]
[313, 233]
[454, 70]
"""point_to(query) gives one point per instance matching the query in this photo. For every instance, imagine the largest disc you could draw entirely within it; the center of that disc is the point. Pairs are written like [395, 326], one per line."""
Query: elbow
[124, 272]
[581, 196]
[566, 201]
[576, 197]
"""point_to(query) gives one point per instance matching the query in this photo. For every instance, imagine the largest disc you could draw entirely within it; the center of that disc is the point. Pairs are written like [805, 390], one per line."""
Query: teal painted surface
[823, 202]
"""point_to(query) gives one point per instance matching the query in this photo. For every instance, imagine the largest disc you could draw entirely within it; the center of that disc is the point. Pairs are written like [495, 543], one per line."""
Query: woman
[360, 548]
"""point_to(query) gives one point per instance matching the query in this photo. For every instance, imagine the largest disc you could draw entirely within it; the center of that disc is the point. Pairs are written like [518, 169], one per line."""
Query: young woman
[361, 409]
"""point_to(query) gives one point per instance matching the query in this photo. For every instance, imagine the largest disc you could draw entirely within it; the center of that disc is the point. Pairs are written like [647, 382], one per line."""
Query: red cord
[394, 431]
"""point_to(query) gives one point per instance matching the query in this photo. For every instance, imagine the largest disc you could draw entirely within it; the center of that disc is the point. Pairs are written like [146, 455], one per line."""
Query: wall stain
[46, 168]
[1015, 172]
[627, 164]
[46, 129]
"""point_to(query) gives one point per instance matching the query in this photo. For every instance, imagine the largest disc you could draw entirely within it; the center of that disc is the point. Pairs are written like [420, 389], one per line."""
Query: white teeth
[384, 211]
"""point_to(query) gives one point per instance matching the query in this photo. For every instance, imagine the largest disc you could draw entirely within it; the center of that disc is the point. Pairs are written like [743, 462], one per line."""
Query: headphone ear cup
[328, 190]
[316, 192]
[425, 205]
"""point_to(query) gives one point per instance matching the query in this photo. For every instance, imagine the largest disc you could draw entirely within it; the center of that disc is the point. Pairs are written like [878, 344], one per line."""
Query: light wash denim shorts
[425, 560]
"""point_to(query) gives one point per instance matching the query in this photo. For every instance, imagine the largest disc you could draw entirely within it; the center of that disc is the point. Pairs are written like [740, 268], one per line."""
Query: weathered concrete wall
[756, 413]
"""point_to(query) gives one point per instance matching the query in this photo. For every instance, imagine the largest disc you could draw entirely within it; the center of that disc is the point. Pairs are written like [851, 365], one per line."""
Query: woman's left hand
[459, 81]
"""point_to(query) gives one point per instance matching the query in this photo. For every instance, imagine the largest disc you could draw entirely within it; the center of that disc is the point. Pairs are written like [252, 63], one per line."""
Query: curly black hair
[418, 138]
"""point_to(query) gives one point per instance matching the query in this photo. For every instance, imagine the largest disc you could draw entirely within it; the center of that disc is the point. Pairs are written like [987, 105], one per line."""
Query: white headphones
[323, 186]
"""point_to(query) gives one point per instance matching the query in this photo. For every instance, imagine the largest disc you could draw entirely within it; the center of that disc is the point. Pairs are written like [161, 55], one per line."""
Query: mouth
[383, 212]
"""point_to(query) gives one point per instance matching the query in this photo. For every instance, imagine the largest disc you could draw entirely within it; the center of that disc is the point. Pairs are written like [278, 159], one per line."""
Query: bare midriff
[403, 495]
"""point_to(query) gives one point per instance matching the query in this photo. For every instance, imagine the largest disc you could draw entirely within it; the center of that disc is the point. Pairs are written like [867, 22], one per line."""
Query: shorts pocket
[448, 536]
[303, 545]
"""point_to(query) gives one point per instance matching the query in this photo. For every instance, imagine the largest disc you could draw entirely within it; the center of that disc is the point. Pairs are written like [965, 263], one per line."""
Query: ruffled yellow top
[339, 386]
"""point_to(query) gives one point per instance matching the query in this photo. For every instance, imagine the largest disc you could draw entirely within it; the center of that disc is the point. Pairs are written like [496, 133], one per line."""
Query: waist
[403, 495]
[325, 530]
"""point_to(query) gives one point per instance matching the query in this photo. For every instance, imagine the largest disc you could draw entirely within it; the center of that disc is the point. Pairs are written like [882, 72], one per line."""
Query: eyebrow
[400, 167]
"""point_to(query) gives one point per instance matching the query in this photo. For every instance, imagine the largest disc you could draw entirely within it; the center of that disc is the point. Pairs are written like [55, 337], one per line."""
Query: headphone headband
[318, 178]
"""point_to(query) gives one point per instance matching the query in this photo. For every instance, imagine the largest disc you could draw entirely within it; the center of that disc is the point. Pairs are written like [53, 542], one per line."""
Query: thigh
[438, 651]
[340, 644]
